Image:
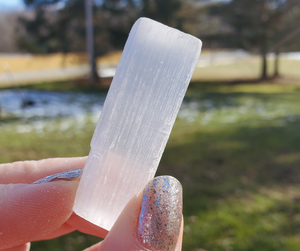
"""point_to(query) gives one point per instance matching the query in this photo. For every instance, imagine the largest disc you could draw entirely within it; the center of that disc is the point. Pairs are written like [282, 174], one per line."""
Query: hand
[152, 220]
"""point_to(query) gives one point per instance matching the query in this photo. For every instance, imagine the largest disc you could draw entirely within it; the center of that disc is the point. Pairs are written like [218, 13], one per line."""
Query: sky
[11, 5]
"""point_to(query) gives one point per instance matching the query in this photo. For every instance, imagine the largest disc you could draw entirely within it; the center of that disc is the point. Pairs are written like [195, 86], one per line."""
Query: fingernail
[161, 213]
[68, 175]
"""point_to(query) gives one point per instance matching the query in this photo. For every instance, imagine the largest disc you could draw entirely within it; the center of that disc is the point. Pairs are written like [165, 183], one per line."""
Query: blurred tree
[287, 35]
[38, 36]
[164, 11]
[8, 26]
[59, 26]
[58, 22]
[256, 23]
[201, 21]
[64, 29]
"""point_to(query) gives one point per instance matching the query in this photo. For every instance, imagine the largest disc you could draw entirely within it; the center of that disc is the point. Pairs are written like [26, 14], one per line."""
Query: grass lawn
[240, 69]
[247, 68]
[235, 149]
[238, 160]
[27, 62]
[21, 63]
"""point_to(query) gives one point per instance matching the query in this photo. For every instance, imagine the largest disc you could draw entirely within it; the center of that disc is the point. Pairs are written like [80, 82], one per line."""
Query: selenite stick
[137, 118]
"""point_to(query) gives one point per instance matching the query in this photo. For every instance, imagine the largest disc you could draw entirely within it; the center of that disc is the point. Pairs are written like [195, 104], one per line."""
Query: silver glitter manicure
[161, 214]
[68, 175]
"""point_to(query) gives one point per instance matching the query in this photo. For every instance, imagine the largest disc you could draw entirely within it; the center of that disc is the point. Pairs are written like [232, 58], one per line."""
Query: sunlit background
[235, 144]
[12, 5]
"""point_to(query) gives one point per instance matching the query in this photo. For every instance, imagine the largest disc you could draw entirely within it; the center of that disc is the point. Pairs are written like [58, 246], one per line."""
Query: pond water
[25, 111]
[29, 104]
[243, 109]
[42, 111]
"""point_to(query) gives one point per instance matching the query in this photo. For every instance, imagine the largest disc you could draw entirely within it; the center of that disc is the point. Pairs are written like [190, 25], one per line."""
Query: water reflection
[46, 111]
[29, 104]
[247, 109]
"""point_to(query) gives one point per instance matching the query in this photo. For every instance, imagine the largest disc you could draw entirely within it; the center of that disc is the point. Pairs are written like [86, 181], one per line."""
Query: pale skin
[30, 212]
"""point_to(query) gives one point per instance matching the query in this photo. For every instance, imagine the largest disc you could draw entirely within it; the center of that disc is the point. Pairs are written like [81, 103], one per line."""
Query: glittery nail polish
[68, 175]
[161, 213]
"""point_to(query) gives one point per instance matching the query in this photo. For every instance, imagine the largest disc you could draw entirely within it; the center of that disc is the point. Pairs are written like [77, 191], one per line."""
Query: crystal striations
[138, 115]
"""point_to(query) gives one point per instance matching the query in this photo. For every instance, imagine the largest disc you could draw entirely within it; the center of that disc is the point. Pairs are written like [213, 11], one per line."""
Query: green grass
[53, 141]
[238, 161]
[236, 151]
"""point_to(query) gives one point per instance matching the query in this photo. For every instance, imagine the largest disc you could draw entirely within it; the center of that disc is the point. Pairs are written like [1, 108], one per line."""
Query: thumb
[152, 220]
[28, 211]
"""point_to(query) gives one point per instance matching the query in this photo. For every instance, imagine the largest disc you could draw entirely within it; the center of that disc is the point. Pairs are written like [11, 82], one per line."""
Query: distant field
[27, 62]
[244, 68]
[21, 63]
[247, 68]
[27, 69]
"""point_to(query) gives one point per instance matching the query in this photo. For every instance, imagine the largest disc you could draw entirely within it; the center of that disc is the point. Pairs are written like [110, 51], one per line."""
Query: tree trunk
[264, 66]
[276, 65]
[89, 28]
[96, 77]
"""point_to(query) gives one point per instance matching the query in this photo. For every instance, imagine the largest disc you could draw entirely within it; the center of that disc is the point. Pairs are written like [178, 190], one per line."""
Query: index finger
[30, 171]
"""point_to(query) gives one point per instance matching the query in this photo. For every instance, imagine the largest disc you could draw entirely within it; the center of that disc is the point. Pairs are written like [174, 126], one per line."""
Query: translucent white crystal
[139, 112]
